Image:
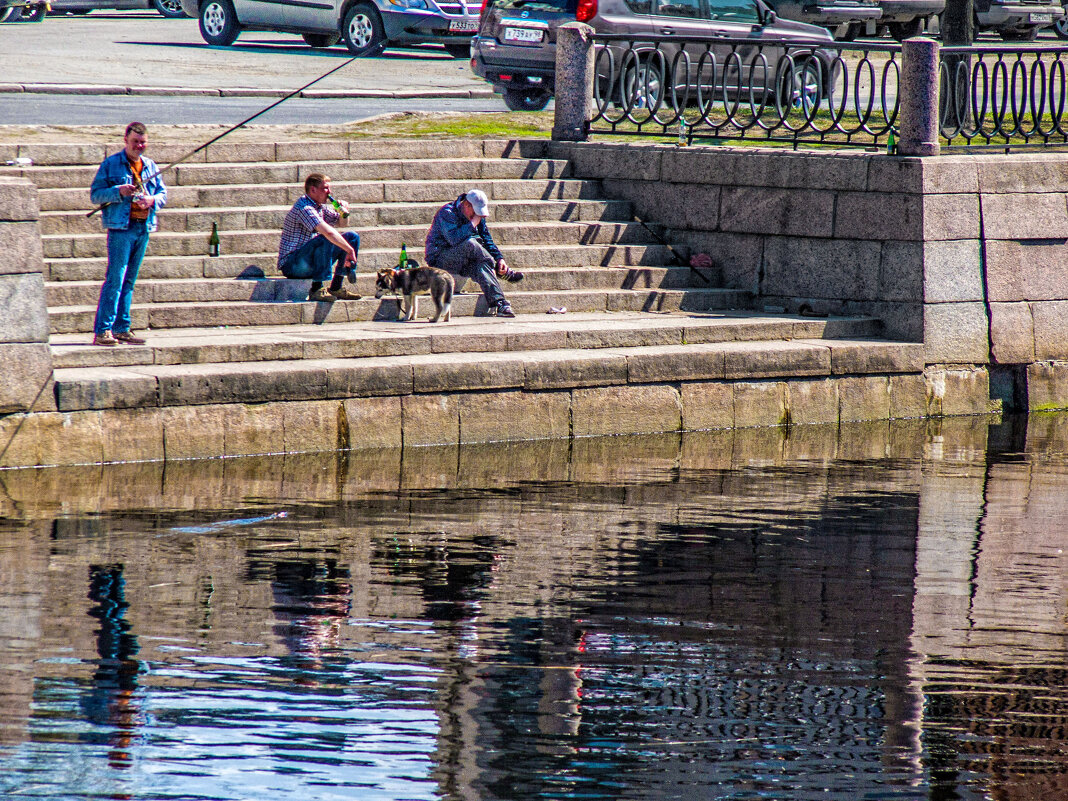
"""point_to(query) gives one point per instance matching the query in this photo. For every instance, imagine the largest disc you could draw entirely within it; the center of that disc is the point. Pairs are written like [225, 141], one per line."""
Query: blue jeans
[316, 258]
[126, 249]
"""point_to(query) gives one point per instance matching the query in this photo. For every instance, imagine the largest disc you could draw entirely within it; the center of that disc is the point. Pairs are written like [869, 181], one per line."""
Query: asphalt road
[141, 48]
[40, 109]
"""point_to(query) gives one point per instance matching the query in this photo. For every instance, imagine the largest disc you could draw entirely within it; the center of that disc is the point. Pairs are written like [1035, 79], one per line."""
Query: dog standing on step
[415, 281]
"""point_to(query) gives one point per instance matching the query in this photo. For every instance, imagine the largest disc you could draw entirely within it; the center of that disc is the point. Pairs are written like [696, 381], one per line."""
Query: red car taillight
[587, 10]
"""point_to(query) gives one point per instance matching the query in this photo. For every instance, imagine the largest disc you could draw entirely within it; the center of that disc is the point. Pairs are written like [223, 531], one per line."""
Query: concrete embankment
[238, 364]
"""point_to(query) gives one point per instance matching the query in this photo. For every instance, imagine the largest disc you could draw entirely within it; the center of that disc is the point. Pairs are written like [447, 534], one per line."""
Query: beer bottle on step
[404, 257]
[213, 240]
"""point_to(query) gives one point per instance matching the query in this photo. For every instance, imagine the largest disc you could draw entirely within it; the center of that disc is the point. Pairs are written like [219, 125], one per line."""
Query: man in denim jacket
[129, 187]
[459, 242]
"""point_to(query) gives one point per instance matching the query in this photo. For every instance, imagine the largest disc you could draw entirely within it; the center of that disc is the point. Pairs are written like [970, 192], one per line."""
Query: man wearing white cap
[459, 242]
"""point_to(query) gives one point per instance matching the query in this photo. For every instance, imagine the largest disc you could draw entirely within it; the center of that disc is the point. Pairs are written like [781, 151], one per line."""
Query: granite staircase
[230, 329]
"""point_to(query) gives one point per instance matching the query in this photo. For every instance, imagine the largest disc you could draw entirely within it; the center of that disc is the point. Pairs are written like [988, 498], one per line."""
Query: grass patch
[456, 125]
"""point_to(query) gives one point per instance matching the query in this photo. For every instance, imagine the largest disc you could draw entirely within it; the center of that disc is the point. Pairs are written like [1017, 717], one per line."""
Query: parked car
[842, 16]
[900, 18]
[515, 47]
[1017, 20]
[22, 10]
[364, 26]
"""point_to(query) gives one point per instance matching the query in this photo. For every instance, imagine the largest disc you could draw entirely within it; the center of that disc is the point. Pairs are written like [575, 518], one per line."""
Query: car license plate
[522, 35]
[463, 25]
[1040, 16]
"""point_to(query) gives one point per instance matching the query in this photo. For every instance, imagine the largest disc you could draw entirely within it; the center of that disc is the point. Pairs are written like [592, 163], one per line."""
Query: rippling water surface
[876, 613]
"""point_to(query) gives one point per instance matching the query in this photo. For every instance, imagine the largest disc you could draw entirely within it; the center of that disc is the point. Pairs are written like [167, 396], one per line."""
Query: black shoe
[351, 275]
[512, 276]
[504, 309]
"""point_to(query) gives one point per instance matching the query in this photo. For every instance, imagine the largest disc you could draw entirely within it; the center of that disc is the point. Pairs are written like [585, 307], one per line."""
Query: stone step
[521, 257]
[282, 290]
[507, 235]
[252, 195]
[75, 154]
[72, 319]
[361, 216]
[294, 172]
[461, 335]
[175, 385]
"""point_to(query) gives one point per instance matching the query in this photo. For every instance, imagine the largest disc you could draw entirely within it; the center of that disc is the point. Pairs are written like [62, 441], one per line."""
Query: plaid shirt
[298, 228]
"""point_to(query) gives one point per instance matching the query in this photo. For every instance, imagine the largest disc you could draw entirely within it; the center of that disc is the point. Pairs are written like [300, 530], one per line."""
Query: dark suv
[515, 47]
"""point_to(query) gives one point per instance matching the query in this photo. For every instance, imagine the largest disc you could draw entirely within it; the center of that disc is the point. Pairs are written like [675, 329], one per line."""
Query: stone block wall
[965, 253]
[25, 360]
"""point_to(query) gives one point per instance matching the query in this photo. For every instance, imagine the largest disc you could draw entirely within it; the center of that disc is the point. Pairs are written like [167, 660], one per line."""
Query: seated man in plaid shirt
[311, 245]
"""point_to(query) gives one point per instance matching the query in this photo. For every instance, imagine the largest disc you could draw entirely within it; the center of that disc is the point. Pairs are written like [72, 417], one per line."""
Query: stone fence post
[918, 99]
[25, 359]
[574, 81]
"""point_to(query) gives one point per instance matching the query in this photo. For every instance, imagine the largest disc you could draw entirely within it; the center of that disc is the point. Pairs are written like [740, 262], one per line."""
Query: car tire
[646, 84]
[848, 32]
[1060, 27]
[321, 39]
[1018, 34]
[906, 30]
[35, 14]
[362, 31]
[218, 22]
[171, 9]
[459, 50]
[527, 99]
[804, 92]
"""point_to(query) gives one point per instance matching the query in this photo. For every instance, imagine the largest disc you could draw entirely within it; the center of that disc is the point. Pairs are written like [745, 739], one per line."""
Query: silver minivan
[364, 26]
[515, 48]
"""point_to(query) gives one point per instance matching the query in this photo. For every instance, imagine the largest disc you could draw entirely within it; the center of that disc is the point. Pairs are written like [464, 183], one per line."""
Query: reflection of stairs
[231, 330]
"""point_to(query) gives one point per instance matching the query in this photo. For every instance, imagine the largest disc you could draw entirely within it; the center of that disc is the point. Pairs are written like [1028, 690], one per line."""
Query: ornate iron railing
[818, 92]
[1004, 96]
[739, 89]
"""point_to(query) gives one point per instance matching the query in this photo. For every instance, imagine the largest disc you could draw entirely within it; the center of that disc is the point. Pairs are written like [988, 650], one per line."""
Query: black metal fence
[838, 94]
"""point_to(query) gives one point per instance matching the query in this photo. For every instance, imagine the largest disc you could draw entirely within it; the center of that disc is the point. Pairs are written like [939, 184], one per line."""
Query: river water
[879, 612]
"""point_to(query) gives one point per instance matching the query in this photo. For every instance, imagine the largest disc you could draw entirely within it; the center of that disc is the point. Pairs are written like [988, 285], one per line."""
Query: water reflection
[872, 613]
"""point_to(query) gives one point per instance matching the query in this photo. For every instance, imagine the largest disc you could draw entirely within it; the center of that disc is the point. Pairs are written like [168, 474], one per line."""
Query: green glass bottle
[213, 240]
[404, 257]
[337, 207]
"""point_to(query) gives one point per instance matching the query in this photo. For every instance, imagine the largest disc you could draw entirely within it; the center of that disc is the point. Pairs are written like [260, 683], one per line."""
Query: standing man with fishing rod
[130, 189]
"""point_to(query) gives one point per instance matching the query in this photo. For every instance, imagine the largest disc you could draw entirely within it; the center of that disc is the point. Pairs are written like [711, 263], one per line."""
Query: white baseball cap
[479, 202]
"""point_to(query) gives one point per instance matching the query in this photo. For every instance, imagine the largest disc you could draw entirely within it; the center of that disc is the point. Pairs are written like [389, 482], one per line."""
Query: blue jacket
[451, 227]
[115, 171]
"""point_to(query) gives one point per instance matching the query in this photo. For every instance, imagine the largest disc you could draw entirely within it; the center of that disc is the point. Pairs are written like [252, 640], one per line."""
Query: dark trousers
[471, 260]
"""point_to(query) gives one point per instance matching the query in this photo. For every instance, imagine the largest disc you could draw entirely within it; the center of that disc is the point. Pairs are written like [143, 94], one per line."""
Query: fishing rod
[243, 122]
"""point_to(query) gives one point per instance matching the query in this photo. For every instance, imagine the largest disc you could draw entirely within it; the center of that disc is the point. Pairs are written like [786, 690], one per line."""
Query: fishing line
[243, 122]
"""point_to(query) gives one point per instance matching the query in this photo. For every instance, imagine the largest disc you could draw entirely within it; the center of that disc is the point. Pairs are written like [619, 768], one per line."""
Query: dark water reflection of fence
[802, 613]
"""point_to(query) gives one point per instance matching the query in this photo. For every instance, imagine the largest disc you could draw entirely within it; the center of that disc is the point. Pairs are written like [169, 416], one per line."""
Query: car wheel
[35, 13]
[1060, 27]
[847, 31]
[800, 89]
[459, 50]
[362, 31]
[171, 9]
[321, 39]
[643, 85]
[218, 22]
[1018, 34]
[527, 99]
[906, 30]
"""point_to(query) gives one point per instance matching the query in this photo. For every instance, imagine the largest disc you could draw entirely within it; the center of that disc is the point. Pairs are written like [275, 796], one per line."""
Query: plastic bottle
[404, 257]
[213, 240]
[337, 206]
[683, 141]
